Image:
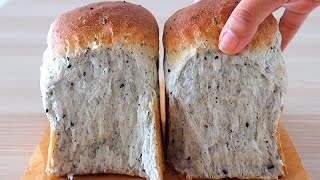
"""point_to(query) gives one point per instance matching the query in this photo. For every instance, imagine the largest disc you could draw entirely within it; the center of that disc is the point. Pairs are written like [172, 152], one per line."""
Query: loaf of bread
[99, 85]
[222, 111]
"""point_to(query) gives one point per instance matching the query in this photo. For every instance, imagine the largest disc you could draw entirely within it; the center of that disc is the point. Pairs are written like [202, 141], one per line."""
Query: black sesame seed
[91, 8]
[206, 126]
[270, 166]
[69, 66]
[216, 57]
[71, 124]
[104, 21]
[224, 172]
[71, 84]
[68, 58]
[267, 141]
[47, 110]
[84, 73]
[189, 158]
[64, 116]
[122, 85]
[169, 70]
[247, 124]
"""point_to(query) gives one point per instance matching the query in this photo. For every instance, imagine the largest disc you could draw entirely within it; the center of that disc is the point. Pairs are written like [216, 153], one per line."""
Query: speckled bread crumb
[99, 85]
[223, 111]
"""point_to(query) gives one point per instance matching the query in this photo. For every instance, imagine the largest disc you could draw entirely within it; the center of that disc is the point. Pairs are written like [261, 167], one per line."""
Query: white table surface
[23, 29]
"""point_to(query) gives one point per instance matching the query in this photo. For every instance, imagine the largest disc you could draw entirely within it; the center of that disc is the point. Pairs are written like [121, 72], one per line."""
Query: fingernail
[228, 42]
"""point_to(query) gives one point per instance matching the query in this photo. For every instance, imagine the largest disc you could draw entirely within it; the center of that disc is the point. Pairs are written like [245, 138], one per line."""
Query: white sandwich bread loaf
[223, 111]
[99, 85]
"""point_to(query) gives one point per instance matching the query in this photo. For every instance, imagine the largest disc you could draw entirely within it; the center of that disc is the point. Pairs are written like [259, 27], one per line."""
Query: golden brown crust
[159, 149]
[52, 144]
[202, 22]
[104, 23]
[284, 167]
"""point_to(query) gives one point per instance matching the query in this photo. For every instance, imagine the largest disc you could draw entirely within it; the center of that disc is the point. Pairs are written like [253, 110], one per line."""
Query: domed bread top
[199, 26]
[104, 23]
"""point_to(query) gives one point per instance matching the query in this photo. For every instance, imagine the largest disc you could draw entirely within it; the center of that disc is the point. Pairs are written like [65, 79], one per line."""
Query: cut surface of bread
[100, 92]
[222, 111]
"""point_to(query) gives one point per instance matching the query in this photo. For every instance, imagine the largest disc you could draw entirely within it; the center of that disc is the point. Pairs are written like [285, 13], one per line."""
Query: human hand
[249, 14]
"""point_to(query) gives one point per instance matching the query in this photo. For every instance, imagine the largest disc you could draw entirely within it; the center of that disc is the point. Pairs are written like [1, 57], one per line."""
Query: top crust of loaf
[202, 22]
[104, 23]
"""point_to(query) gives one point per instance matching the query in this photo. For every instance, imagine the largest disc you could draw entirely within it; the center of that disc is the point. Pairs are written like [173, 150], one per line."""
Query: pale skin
[249, 14]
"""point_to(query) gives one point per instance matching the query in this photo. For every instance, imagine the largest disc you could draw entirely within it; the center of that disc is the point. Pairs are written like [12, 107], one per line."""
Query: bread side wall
[100, 105]
[224, 111]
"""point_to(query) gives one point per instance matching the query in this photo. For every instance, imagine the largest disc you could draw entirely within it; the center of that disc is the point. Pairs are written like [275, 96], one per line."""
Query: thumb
[243, 24]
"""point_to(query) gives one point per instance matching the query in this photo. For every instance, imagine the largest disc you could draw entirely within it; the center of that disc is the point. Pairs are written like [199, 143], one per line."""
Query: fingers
[302, 7]
[292, 19]
[289, 24]
[243, 23]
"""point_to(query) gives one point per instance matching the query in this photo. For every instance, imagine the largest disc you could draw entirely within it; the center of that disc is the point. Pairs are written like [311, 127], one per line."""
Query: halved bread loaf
[222, 111]
[99, 84]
